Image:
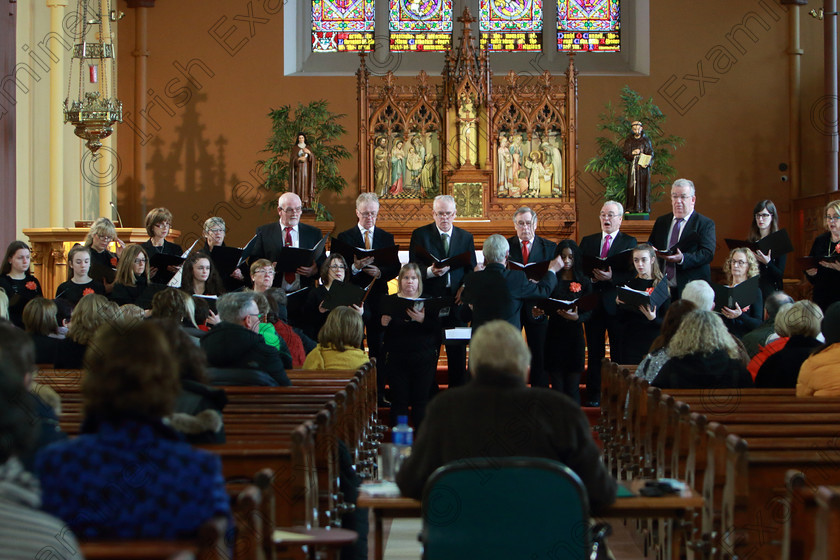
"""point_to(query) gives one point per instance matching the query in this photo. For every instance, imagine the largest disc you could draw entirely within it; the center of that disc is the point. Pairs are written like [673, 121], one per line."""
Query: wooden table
[671, 506]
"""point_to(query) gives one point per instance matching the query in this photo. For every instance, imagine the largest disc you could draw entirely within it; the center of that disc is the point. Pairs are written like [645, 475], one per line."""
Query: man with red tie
[527, 247]
[289, 232]
[610, 241]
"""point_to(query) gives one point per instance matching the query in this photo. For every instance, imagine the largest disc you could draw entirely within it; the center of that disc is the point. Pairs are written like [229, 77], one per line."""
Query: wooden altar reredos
[461, 124]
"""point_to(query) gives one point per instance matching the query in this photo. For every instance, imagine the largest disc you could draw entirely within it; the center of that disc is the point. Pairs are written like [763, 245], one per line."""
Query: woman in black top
[740, 266]
[80, 283]
[103, 263]
[158, 225]
[199, 276]
[826, 276]
[214, 235]
[17, 281]
[771, 268]
[132, 275]
[640, 327]
[564, 361]
[410, 345]
[334, 268]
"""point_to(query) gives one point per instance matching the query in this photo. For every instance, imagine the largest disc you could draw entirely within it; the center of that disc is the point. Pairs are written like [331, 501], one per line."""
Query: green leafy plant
[322, 129]
[610, 164]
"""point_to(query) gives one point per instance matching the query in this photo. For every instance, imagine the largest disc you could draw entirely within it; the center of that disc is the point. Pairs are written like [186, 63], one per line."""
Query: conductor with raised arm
[442, 239]
[527, 247]
[691, 261]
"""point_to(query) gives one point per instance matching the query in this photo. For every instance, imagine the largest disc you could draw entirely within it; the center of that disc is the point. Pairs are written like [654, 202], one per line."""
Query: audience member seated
[339, 342]
[756, 338]
[198, 409]
[39, 320]
[131, 313]
[132, 275]
[819, 375]
[92, 312]
[235, 343]
[653, 362]
[268, 332]
[775, 342]
[803, 326]
[42, 404]
[171, 303]
[489, 416]
[295, 340]
[26, 532]
[703, 355]
[700, 294]
[739, 267]
[80, 283]
[17, 280]
[62, 316]
[128, 475]
[4, 305]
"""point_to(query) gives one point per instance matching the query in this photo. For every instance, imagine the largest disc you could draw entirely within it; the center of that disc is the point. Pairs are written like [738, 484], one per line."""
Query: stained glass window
[342, 25]
[420, 25]
[588, 25]
[510, 25]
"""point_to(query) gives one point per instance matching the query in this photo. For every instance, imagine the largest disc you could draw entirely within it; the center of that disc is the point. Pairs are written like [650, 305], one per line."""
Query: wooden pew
[827, 545]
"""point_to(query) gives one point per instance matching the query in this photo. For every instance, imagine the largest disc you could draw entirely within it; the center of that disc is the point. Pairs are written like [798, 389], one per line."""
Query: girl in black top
[641, 326]
[158, 225]
[410, 345]
[199, 276]
[565, 346]
[80, 283]
[17, 281]
[826, 276]
[771, 268]
[132, 275]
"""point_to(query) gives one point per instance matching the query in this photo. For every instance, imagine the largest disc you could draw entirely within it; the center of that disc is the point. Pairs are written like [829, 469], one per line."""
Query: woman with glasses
[214, 235]
[739, 267]
[102, 261]
[132, 275]
[826, 276]
[334, 268]
[158, 226]
[262, 275]
[771, 268]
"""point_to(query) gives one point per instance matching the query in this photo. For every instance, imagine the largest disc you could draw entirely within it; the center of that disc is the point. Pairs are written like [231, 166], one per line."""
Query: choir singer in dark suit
[498, 293]
[692, 262]
[610, 241]
[289, 232]
[527, 247]
[366, 235]
[442, 239]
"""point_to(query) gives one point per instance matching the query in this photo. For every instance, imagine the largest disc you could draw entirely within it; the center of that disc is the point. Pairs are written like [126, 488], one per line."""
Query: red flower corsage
[114, 261]
[31, 285]
[837, 248]
[745, 309]
[649, 290]
[87, 291]
[574, 287]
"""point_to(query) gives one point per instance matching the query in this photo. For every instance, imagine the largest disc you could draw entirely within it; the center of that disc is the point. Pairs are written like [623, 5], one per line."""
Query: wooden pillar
[8, 194]
[830, 46]
[58, 76]
[141, 58]
[795, 101]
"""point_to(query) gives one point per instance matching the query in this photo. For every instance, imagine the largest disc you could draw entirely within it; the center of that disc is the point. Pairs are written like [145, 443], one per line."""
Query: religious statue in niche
[468, 133]
[302, 167]
[406, 168]
[529, 168]
[638, 151]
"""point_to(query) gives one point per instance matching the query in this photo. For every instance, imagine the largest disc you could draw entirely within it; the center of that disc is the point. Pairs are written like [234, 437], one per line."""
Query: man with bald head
[608, 242]
[289, 232]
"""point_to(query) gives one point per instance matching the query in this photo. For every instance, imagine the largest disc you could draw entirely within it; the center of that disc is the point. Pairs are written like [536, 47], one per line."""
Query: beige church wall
[202, 159]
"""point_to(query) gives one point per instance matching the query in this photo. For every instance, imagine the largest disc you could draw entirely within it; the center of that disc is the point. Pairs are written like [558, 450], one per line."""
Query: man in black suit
[442, 239]
[366, 235]
[289, 232]
[527, 247]
[609, 242]
[498, 293]
[692, 262]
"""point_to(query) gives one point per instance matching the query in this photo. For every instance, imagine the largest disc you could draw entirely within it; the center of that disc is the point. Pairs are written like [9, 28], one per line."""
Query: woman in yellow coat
[819, 375]
[339, 342]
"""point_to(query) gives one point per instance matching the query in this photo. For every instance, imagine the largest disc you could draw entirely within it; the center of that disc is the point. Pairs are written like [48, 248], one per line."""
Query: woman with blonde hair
[826, 276]
[132, 275]
[92, 312]
[102, 261]
[801, 322]
[740, 266]
[339, 342]
[703, 355]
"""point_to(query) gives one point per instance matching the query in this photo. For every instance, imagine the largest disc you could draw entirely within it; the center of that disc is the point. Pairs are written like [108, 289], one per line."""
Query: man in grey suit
[527, 247]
